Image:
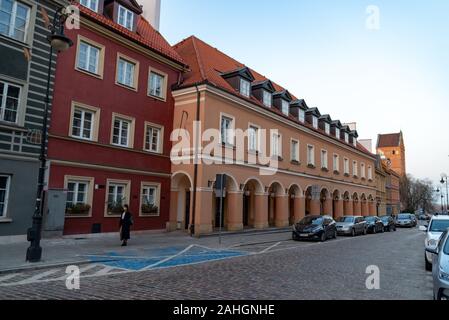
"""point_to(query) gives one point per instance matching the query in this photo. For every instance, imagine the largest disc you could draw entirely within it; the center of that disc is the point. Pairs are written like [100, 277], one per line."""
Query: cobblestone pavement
[277, 268]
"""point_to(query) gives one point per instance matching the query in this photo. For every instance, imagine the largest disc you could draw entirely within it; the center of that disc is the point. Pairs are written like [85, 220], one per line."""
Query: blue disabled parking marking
[163, 257]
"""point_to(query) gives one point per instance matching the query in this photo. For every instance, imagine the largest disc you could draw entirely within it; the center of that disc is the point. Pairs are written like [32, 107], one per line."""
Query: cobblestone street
[277, 268]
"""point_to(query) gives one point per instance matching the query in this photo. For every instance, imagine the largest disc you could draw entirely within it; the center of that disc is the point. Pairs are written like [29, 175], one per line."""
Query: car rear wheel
[353, 233]
[428, 264]
[382, 230]
[374, 230]
[364, 232]
[335, 235]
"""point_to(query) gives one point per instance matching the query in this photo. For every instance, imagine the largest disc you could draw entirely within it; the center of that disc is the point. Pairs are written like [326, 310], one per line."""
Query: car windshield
[345, 219]
[385, 218]
[316, 221]
[439, 225]
[403, 216]
[370, 219]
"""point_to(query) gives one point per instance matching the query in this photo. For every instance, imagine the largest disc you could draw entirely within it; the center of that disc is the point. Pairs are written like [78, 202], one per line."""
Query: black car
[319, 228]
[389, 224]
[374, 225]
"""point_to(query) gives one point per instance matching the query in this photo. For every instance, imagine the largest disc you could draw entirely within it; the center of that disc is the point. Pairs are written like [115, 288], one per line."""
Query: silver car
[440, 268]
[434, 230]
[351, 225]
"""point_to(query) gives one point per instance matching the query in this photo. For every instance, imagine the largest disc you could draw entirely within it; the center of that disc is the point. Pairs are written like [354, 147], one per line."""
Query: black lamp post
[443, 181]
[58, 42]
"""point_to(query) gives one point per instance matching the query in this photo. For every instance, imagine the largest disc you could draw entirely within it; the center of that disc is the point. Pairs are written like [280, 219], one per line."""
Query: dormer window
[315, 122]
[267, 99]
[125, 18]
[285, 107]
[347, 137]
[301, 115]
[245, 87]
[337, 133]
[91, 4]
[327, 128]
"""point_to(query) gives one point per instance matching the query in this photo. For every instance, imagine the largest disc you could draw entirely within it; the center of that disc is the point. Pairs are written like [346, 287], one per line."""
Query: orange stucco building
[315, 164]
[392, 147]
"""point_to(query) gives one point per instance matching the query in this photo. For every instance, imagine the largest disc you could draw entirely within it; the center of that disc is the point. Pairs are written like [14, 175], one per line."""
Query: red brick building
[112, 116]
[392, 147]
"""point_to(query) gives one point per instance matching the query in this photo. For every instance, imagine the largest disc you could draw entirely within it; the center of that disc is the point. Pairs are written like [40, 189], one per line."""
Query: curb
[249, 233]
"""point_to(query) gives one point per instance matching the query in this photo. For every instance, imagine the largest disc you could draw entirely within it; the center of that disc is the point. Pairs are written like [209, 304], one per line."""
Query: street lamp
[444, 180]
[58, 42]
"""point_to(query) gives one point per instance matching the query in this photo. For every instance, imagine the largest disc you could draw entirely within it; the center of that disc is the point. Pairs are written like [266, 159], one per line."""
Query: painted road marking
[270, 247]
[39, 276]
[9, 276]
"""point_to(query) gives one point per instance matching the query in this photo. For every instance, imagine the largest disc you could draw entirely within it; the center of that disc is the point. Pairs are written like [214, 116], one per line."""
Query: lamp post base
[34, 251]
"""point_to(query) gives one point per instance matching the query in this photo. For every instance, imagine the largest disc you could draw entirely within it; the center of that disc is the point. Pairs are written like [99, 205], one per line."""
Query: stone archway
[364, 205]
[295, 204]
[231, 218]
[356, 204]
[277, 205]
[181, 206]
[348, 209]
[325, 202]
[337, 205]
[252, 189]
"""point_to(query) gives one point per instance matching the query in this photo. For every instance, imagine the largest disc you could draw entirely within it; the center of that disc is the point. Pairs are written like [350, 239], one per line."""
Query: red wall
[72, 85]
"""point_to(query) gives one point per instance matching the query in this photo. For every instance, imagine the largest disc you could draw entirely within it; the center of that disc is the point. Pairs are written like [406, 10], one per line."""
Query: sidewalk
[79, 250]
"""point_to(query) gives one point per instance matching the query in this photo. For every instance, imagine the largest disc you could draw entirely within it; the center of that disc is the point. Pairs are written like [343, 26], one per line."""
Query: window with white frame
[336, 164]
[83, 123]
[285, 107]
[253, 138]
[324, 159]
[311, 155]
[346, 165]
[14, 19]
[315, 122]
[153, 139]
[91, 4]
[226, 130]
[125, 73]
[337, 133]
[362, 170]
[327, 128]
[149, 200]
[354, 169]
[370, 173]
[88, 57]
[301, 115]
[245, 87]
[121, 132]
[294, 150]
[346, 137]
[77, 197]
[156, 85]
[276, 141]
[267, 99]
[4, 192]
[125, 18]
[116, 197]
[9, 101]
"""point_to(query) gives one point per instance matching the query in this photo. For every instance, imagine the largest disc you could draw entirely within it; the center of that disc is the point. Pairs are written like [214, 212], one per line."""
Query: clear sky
[388, 79]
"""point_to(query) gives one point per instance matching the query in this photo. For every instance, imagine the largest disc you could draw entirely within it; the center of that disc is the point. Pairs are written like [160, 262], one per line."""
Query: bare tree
[416, 194]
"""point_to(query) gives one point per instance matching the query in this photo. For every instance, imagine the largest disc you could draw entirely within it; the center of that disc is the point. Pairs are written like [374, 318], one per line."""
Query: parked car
[424, 217]
[374, 225]
[434, 230]
[440, 269]
[351, 225]
[318, 228]
[406, 220]
[388, 222]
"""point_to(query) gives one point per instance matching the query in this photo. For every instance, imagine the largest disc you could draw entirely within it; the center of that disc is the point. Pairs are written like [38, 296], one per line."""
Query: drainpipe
[195, 164]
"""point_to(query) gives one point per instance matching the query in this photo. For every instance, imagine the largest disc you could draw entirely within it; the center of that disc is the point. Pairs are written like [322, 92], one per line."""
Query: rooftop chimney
[152, 12]
[367, 143]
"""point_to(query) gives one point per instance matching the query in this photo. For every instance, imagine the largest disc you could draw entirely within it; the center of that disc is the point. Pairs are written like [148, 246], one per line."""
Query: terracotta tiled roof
[146, 35]
[389, 140]
[207, 64]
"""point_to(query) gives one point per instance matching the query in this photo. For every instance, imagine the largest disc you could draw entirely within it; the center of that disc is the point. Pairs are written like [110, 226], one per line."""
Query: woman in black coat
[126, 221]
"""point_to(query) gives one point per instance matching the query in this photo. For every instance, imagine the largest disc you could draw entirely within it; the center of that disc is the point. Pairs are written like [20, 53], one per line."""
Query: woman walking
[126, 221]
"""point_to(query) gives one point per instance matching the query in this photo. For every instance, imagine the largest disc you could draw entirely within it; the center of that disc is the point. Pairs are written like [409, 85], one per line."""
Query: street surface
[269, 266]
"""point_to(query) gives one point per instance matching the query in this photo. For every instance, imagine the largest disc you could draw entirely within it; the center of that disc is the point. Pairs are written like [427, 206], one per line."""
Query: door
[187, 211]
[246, 200]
